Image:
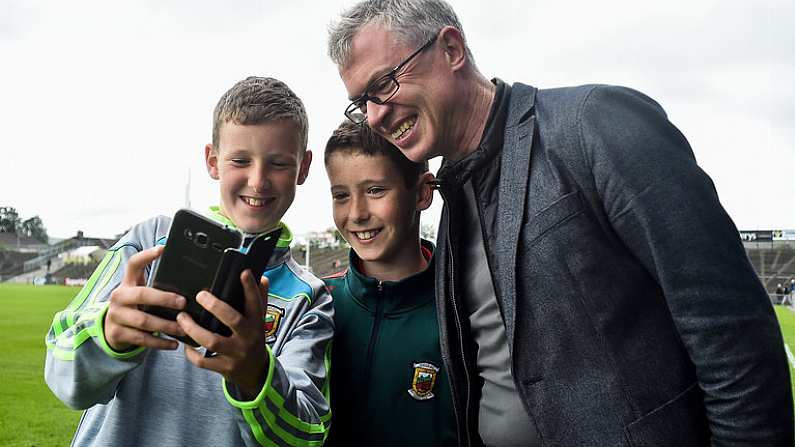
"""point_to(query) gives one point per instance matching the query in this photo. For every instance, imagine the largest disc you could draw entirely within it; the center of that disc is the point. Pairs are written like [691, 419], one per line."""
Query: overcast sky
[105, 107]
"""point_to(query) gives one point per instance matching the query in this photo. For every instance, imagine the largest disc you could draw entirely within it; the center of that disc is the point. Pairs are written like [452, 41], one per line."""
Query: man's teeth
[400, 131]
[254, 202]
[365, 235]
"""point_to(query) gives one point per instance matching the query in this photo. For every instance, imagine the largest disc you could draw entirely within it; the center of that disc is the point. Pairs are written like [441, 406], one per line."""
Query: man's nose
[376, 114]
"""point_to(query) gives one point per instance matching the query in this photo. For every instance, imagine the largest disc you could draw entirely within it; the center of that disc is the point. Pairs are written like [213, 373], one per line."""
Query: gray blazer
[632, 312]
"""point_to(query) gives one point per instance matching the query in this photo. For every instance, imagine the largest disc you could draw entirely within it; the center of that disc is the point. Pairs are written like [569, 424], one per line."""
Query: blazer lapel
[514, 173]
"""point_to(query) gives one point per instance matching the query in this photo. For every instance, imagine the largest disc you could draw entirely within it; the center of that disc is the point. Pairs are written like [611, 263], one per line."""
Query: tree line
[33, 227]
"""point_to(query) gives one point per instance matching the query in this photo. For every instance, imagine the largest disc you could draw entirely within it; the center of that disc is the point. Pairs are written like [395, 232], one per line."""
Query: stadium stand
[774, 262]
[73, 271]
[323, 261]
[12, 262]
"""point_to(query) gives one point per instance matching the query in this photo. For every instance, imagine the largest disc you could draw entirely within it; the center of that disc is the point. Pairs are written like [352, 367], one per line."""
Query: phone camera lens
[201, 240]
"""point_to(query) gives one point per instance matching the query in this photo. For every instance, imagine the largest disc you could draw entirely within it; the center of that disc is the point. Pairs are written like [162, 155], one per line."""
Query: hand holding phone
[125, 324]
[202, 254]
[241, 357]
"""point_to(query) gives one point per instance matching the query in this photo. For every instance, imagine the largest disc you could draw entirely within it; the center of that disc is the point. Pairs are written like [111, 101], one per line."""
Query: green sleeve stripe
[109, 272]
[283, 434]
[268, 380]
[86, 290]
[260, 403]
[259, 435]
[57, 326]
[291, 419]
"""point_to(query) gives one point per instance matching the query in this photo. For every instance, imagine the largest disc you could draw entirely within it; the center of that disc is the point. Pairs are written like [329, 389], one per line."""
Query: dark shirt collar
[396, 296]
[454, 174]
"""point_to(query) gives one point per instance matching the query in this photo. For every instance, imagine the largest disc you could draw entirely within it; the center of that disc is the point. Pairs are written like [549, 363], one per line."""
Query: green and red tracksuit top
[388, 385]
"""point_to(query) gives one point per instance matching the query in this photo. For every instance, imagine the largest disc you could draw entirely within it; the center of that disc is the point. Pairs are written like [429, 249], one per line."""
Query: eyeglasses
[381, 90]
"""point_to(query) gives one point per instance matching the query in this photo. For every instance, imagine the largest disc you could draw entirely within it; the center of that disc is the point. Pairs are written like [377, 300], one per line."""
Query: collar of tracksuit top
[395, 296]
[282, 246]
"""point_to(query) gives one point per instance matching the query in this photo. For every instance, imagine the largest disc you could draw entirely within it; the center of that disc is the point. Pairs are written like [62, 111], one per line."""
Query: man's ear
[424, 192]
[303, 169]
[211, 160]
[452, 42]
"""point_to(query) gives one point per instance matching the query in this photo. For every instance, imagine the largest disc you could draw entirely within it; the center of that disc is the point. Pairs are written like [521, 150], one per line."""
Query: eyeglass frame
[353, 109]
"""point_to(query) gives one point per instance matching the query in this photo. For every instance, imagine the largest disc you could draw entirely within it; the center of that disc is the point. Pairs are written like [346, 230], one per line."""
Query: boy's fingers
[142, 321]
[136, 265]
[140, 295]
[216, 364]
[254, 293]
[225, 313]
[200, 335]
[135, 337]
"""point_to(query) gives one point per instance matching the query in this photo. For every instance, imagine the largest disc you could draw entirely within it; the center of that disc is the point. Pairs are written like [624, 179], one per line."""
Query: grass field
[29, 414]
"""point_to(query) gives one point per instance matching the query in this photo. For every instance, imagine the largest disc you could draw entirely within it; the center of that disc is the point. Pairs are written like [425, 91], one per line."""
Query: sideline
[790, 357]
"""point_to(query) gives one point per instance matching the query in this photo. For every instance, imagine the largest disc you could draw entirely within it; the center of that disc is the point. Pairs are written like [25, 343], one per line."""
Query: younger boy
[388, 384]
[137, 387]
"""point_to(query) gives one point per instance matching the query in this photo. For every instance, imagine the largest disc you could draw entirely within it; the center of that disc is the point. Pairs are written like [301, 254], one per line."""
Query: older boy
[388, 381]
[102, 351]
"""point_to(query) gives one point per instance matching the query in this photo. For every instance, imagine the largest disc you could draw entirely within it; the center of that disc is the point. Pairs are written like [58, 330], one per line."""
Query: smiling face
[375, 210]
[258, 167]
[418, 119]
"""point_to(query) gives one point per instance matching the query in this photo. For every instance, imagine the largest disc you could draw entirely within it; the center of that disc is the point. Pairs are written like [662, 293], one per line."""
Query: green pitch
[29, 414]
[786, 318]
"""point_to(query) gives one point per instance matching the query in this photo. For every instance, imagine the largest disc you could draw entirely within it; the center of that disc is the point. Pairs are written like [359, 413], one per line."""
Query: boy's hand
[125, 323]
[241, 358]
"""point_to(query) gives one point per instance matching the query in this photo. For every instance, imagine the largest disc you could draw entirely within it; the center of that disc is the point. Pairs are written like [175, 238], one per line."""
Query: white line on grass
[790, 357]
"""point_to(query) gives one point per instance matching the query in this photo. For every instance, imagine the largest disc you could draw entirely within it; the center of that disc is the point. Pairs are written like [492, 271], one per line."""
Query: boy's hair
[354, 138]
[257, 100]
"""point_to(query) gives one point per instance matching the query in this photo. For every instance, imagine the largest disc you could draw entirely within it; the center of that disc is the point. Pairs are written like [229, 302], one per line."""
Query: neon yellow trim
[257, 400]
[285, 238]
[98, 332]
[267, 390]
[86, 290]
[56, 327]
[259, 435]
[291, 419]
[287, 437]
[108, 273]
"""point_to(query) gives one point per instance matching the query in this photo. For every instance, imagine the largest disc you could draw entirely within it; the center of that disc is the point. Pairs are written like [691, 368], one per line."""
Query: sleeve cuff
[99, 324]
[248, 405]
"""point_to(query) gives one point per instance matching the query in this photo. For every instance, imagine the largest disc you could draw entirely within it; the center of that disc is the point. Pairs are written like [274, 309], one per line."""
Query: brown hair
[257, 100]
[354, 138]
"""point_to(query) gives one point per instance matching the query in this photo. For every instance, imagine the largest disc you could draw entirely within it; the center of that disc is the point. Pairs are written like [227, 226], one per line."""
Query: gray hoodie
[151, 397]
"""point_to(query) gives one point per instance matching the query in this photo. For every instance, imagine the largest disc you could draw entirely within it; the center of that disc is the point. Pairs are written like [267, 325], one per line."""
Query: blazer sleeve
[666, 210]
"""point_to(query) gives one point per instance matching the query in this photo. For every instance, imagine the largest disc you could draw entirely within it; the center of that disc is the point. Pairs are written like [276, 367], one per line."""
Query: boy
[388, 384]
[137, 388]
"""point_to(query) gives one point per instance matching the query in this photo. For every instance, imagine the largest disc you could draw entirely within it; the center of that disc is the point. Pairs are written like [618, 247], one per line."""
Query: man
[591, 290]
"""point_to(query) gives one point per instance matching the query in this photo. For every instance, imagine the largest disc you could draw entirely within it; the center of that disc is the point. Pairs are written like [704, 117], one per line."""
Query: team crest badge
[423, 381]
[273, 316]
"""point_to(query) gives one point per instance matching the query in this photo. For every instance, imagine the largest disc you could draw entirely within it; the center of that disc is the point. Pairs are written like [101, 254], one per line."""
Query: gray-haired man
[591, 290]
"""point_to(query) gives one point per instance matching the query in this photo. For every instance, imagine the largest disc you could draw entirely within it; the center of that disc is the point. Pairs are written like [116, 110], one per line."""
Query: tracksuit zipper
[379, 314]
